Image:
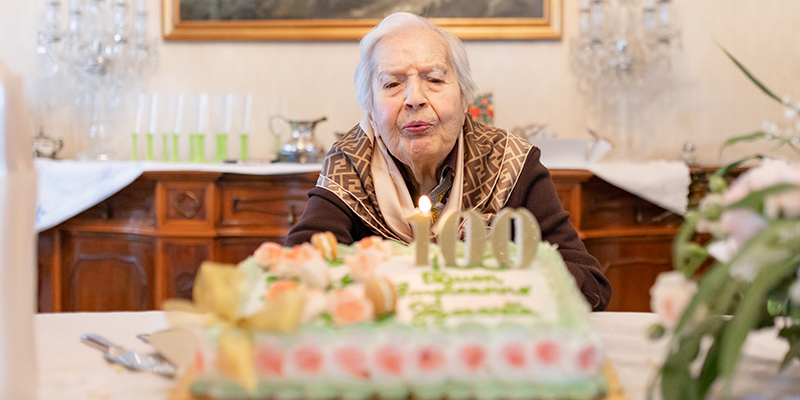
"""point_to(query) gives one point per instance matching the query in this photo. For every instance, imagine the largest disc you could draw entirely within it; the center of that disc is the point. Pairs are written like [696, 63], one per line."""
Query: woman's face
[417, 99]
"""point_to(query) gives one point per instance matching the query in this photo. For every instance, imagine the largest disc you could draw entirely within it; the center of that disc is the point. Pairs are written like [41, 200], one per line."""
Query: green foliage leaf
[751, 77]
[745, 138]
[750, 308]
[722, 172]
[688, 256]
[346, 280]
[792, 335]
[710, 370]
[755, 199]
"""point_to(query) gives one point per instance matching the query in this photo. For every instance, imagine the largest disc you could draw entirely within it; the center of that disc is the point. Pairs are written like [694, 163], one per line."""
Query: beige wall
[708, 100]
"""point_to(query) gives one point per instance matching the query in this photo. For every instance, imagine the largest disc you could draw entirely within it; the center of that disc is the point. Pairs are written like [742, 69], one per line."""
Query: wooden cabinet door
[107, 272]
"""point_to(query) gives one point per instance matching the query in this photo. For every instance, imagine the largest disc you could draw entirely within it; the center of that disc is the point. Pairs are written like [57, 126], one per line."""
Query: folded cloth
[69, 187]
[664, 183]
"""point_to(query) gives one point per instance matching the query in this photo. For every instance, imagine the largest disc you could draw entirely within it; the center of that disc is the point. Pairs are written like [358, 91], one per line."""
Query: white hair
[365, 71]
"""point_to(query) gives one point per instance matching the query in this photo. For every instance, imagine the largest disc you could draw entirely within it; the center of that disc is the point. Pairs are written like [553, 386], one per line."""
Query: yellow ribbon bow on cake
[219, 290]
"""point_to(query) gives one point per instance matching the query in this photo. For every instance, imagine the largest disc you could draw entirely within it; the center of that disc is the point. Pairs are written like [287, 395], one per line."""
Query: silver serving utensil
[133, 360]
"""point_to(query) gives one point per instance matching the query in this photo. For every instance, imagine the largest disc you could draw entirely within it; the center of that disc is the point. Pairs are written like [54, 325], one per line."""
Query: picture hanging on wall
[279, 20]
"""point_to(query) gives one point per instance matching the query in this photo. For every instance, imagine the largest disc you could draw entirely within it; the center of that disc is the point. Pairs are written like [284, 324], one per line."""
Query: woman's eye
[391, 85]
[435, 80]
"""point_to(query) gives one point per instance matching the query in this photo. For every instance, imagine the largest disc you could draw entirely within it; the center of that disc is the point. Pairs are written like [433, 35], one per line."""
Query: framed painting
[279, 20]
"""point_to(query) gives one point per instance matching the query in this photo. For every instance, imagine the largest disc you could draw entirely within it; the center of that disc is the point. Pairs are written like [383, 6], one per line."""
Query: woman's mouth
[416, 126]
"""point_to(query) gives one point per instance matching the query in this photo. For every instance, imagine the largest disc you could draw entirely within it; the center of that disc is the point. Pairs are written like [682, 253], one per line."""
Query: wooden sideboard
[144, 244]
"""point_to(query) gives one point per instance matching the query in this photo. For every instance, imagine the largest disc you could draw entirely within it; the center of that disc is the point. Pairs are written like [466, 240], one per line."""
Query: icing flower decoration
[363, 264]
[346, 307]
[278, 287]
[269, 361]
[308, 359]
[375, 243]
[514, 355]
[547, 352]
[305, 263]
[429, 359]
[352, 360]
[268, 254]
[316, 303]
[472, 356]
[670, 295]
[389, 359]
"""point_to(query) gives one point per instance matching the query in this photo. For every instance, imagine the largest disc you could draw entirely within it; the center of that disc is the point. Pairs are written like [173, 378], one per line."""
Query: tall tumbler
[17, 239]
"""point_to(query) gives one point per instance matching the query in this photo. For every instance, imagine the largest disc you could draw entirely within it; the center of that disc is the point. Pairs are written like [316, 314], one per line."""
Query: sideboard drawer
[273, 205]
[604, 206]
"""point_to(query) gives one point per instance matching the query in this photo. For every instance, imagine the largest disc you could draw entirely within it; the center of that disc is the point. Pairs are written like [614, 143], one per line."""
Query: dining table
[70, 370]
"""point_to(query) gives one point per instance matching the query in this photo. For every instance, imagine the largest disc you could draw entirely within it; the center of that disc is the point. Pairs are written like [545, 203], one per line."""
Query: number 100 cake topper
[527, 235]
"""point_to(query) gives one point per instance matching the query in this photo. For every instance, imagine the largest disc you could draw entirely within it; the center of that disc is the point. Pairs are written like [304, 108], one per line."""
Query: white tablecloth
[69, 370]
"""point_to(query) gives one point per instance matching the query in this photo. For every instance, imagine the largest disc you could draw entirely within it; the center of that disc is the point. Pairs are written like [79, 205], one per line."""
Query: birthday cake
[476, 320]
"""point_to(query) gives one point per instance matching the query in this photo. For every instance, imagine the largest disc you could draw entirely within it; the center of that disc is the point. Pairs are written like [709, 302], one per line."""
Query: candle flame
[425, 205]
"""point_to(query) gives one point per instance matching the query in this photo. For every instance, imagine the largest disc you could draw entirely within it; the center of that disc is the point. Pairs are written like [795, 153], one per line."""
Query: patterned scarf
[493, 160]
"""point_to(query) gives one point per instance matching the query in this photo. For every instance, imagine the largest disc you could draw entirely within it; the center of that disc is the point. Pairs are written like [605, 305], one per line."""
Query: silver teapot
[302, 147]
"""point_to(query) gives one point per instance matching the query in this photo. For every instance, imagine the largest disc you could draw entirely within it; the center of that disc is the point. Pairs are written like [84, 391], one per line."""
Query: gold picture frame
[546, 27]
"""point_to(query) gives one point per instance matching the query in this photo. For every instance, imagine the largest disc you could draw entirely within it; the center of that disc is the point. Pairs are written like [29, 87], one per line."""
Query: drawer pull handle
[187, 205]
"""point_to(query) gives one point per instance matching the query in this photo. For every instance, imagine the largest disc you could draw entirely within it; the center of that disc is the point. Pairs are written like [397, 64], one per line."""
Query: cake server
[133, 360]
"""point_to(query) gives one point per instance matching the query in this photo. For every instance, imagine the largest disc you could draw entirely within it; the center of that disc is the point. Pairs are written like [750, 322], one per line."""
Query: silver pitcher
[303, 147]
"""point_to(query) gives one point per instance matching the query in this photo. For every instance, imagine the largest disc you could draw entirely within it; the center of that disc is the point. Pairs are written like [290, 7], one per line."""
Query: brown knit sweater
[534, 190]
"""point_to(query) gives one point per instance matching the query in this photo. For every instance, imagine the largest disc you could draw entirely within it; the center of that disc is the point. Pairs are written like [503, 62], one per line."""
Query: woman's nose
[415, 95]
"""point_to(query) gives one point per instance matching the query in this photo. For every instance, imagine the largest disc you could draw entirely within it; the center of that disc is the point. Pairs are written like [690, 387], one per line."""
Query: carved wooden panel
[45, 271]
[186, 208]
[631, 264]
[107, 272]
[181, 259]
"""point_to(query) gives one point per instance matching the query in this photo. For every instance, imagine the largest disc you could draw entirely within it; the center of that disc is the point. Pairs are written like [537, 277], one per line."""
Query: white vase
[17, 244]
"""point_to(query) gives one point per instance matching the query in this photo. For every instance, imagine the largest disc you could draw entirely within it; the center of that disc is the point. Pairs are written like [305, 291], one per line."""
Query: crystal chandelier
[623, 54]
[103, 53]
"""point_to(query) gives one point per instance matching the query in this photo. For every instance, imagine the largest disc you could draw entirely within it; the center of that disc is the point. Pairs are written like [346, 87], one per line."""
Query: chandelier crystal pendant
[622, 55]
[103, 53]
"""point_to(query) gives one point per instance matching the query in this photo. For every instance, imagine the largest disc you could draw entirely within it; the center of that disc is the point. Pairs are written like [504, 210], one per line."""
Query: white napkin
[665, 183]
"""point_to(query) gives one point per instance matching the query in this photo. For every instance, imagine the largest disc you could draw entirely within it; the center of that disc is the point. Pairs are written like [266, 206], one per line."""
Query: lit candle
[421, 224]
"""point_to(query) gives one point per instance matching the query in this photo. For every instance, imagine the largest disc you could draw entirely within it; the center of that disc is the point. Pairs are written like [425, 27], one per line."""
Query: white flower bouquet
[751, 265]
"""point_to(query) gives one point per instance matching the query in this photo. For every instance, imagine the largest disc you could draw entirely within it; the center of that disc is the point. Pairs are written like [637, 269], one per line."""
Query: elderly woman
[414, 82]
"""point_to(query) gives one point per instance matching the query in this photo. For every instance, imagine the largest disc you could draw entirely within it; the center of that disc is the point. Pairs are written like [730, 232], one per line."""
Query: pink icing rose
[547, 352]
[363, 264]
[352, 360]
[390, 359]
[279, 287]
[375, 243]
[316, 303]
[587, 358]
[429, 358]
[268, 254]
[670, 295]
[199, 362]
[514, 355]
[472, 356]
[345, 307]
[306, 263]
[308, 359]
[269, 360]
